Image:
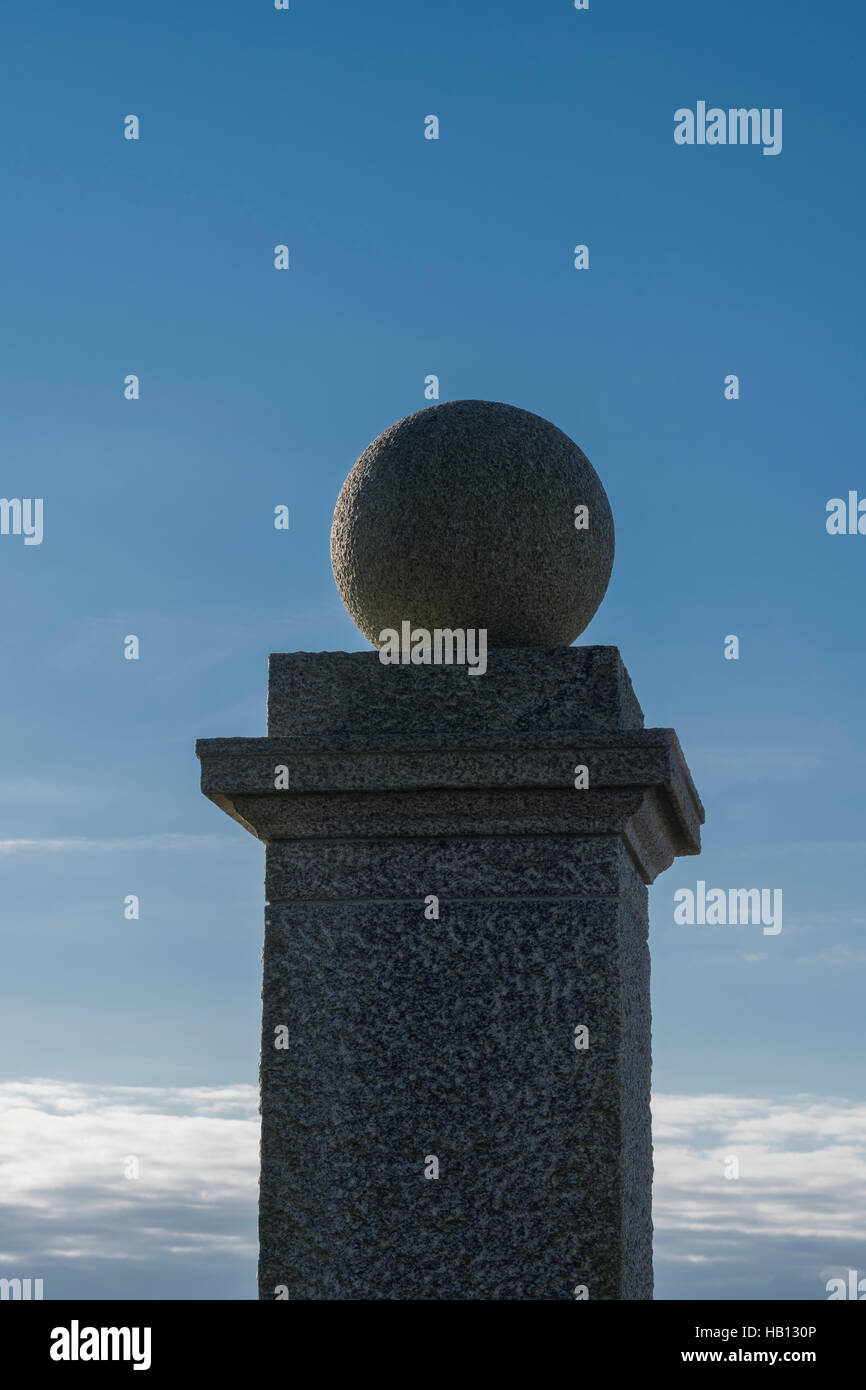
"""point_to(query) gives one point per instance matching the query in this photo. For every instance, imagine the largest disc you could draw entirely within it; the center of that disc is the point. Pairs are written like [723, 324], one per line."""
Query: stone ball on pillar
[474, 514]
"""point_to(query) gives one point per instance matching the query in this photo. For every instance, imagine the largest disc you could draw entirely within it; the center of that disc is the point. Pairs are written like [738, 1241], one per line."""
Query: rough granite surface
[454, 1039]
[463, 516]
[346, 700]
[412, 1037]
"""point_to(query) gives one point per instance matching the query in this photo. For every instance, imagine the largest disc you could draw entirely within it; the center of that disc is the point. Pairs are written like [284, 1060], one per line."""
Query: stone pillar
[455, 1065]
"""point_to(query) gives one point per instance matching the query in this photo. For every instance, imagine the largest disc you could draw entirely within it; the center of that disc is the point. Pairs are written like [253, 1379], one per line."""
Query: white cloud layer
[794, 1217]
[65, 1150]
[801, 1161]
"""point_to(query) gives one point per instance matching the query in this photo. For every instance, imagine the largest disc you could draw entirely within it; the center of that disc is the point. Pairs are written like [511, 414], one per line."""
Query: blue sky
[411, 257]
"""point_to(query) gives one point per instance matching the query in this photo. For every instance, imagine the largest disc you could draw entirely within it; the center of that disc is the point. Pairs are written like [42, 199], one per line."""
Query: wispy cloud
[203, 844]
[844, 957]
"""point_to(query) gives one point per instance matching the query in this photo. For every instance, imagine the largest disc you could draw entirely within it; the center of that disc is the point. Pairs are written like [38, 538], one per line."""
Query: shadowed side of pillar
[414, 1037]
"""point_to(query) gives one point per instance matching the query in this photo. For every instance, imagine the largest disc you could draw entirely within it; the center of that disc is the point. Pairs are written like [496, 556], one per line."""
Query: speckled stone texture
[463, 516]
[454, 1038]
[412, 1037]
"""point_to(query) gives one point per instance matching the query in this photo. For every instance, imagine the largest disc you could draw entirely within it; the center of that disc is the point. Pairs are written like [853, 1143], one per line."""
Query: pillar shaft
[420, 1043]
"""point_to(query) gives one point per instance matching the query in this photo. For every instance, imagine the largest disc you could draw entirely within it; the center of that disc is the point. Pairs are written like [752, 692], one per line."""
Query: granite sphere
[463, 516]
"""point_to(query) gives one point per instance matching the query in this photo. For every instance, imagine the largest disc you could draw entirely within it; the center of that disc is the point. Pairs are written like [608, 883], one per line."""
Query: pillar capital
[367, 752]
